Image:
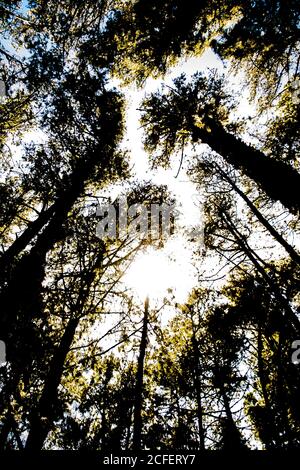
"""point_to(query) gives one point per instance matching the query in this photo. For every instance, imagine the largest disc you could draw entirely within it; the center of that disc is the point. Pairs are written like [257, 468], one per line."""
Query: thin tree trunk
[138, 402]
[288, 248]
[198, 389]
[289, 320]
[263, 383]
[42, 418]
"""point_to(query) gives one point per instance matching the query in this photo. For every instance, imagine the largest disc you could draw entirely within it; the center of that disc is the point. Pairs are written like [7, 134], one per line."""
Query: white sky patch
[155, 272]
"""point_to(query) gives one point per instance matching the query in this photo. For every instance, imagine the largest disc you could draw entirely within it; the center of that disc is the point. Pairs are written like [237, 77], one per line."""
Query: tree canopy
[91, 364]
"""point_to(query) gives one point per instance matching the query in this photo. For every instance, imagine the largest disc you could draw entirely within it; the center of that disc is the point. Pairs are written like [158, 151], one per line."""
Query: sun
[151, 274]
[154, 272]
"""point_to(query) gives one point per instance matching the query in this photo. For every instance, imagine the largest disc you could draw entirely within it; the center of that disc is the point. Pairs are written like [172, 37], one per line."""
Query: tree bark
[42, 418]
[25, 238]
[232, 436]
[288, 248]
[138, 402]
[278, 180]
[289, 319]
[28, 274]
[197, 383]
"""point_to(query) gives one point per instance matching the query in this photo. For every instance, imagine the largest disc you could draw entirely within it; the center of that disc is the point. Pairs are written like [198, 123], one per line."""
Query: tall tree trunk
[270, 434]
[198, 390]
[28, 274]
[138, 401]
[278, 180]
[42, 418]
[64, 201]
[33, 229]
[232, 438]
[288, 248]
[289, 319]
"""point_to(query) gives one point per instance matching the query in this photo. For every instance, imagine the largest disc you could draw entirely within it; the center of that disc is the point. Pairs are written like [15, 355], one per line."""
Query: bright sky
[170, 267]
[180, 273]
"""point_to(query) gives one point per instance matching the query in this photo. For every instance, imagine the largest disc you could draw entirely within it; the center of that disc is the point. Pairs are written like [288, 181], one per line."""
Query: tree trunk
[28, 274]
[232, 438]
[278, 180]
[263, 383]
[33, 229]
[42, 418]
[138, 402]
[288, 248]
[197, 384]
[289, 319]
